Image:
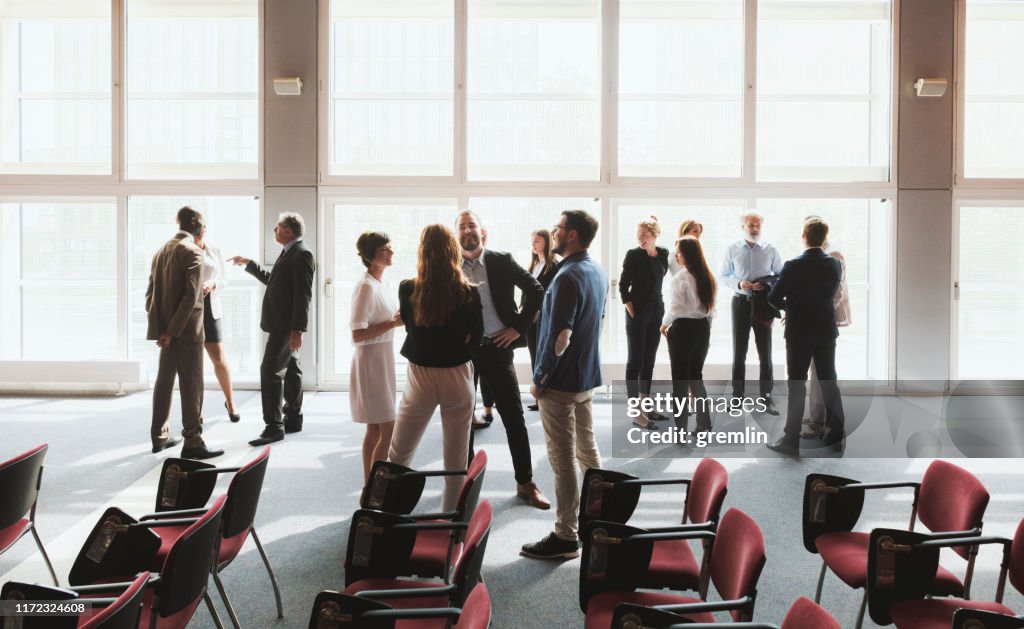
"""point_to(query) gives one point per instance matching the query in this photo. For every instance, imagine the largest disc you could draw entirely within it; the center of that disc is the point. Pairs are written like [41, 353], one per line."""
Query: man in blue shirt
[568, 370]
[746, 261]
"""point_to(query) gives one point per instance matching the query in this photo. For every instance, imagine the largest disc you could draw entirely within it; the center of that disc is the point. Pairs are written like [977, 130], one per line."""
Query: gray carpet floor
[99, 456]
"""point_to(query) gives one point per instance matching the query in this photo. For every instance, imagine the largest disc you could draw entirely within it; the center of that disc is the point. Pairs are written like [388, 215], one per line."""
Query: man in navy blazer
[805, 290]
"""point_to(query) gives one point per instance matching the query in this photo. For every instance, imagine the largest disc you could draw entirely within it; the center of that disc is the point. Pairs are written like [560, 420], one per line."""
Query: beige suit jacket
[174, 298]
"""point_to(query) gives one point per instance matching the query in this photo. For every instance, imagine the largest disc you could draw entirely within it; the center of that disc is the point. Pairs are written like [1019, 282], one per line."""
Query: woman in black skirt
[543, 265]
[687, 326]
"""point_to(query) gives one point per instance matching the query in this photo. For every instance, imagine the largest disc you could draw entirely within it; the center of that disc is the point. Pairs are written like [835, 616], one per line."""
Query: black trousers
[742, 322]
[799, 355]
[688, 342]
[280, 377]
[531, 343]
[643, 334]
[494, 365]
[485, 391]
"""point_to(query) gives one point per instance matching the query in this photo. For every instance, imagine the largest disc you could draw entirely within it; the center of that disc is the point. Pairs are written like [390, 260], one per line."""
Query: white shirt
[372, 303]
[684, 302]
[538, 269]
[476, 272]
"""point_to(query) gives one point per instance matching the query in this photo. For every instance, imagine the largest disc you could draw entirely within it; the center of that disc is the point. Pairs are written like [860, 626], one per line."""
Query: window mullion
[747, 173]
[459, 112]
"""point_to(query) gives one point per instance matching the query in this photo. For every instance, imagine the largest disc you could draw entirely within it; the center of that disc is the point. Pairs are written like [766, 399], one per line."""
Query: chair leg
[270, 571]
[821, 582]
[213, 610]
[224, 597]
[46, 557]
[860, 614]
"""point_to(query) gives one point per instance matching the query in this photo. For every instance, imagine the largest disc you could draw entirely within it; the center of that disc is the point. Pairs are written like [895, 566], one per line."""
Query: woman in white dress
[372, 381]
[213, 311]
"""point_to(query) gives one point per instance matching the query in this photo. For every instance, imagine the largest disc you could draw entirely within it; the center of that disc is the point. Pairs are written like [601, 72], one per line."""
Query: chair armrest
[407, 592]
[153, 524]
[654, 481]
[683, 528]
[892, 485]
[447, 515]
[215, 470]
[104, 587]
[657, 537]
[975, 532]
[944, 542]
[451, 613]
[713, 606]
[431, 473]
[172, 514]
[725, 625]
[431, 526]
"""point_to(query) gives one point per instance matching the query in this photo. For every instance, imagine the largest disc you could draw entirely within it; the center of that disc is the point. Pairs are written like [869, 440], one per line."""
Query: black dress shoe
[200, 452]
[835, 442]
[770, 406]
[268, 436]
[782, 446]
[170, 443]
[234, 418]
[533, 407]
[293, 424]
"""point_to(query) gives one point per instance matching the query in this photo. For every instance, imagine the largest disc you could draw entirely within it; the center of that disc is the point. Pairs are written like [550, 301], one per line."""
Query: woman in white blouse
[687, 326]
[372, 376]
[213, 312]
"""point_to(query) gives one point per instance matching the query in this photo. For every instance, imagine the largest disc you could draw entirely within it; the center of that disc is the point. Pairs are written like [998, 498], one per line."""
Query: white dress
[372, 376]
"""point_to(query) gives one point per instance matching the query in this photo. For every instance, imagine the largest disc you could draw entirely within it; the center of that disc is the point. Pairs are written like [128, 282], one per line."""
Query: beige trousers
[182, 360]
[569, 431]
[426, 388]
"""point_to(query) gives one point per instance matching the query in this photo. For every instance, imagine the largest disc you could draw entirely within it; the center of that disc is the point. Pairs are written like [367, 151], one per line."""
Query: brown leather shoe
[532, 496]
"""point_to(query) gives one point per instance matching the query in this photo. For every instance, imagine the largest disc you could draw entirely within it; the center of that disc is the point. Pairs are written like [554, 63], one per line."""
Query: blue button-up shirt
[744, 261]
[575, 301]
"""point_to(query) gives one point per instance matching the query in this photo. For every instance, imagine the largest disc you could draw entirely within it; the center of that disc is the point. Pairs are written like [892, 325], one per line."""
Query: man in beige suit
[174, 304]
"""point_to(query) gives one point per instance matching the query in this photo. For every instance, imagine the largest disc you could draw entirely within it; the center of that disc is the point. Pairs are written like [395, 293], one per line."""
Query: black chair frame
[333, 609]
[20, 482]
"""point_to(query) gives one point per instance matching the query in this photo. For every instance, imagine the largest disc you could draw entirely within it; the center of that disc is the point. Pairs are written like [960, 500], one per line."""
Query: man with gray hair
[746, 261]
[285, 318]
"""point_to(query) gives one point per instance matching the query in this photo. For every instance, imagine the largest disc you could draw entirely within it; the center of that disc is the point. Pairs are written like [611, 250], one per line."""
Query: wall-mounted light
[288, 86]
[932, 88]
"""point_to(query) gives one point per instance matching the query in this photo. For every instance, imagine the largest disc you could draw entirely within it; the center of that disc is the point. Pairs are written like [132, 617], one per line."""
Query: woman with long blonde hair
[443, 320]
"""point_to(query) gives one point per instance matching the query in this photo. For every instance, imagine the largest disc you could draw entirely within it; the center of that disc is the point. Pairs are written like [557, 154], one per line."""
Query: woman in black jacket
[643, 272]
[542, 266]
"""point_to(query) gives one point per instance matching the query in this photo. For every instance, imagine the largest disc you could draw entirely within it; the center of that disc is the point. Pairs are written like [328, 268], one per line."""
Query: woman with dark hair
[643, 273]
[443, 320]
[687, 326]
[213, 282]
[542, 266]
[372, 375]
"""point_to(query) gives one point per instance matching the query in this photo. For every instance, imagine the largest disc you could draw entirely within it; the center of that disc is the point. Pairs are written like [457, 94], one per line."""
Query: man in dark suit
[497, 275]
[805, 290]
[285, 318]
[174, 307]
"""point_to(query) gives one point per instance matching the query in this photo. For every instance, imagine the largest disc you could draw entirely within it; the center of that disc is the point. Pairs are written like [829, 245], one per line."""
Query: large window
[534, 75]
[392, 86]
[680, 88]
[993, 114]
[824, 72]
[233, 227]
[55, 104]
[58, 280]
[990, 308]
[192, 87]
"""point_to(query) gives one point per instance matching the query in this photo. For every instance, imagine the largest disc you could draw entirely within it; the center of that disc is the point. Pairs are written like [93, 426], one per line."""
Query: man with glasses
[567, 371]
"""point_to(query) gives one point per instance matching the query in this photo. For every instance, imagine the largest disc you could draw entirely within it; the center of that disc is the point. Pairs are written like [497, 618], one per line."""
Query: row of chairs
[410, 569]
[153, 571]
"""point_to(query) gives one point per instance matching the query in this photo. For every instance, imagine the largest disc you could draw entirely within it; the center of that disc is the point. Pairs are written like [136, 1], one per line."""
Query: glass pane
[994, 90]
[534, 90]
[680, 88]
[192, 90]
[58, 280]
[990, 307]
[55, 88]
[824, 116]
[392, 87]
[233, 225]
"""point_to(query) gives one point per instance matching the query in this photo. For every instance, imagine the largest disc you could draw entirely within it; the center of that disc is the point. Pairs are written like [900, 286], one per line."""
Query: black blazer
[443, 345]
[805, 290]
[289, 289]
[503, 276]
[639, 282]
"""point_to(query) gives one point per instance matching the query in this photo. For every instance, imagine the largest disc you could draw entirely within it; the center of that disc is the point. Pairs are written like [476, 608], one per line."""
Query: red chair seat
[602, 606]
[673, 565]
[12, 534]
[229, 547]
[429, 552]
[938, 613]
[401, 584]
[847, 555]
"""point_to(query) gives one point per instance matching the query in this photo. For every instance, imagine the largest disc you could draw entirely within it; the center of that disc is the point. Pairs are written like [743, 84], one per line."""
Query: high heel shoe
[234, 418]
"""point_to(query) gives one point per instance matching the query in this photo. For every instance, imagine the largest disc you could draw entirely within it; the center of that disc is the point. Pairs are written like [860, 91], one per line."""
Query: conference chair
[616, 555]
[613, 497]
[333, 610]
[120, 612]
[903, 564]
[20, 480]
[803, 614]
[949, 500]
